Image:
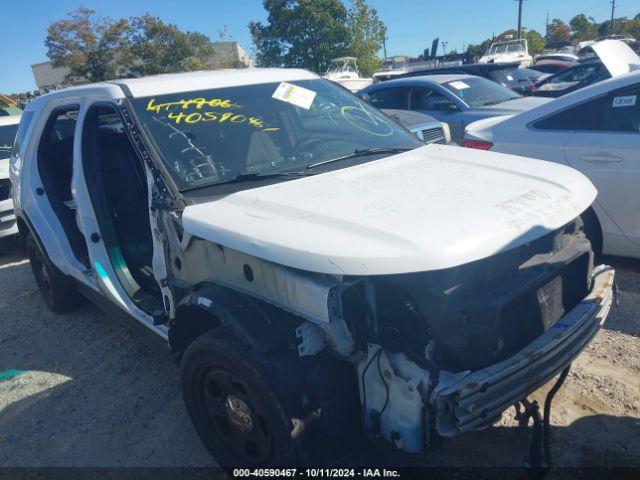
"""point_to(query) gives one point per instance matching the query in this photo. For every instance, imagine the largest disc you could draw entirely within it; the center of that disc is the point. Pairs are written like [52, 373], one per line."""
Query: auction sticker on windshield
[459, 85]
[295, 95]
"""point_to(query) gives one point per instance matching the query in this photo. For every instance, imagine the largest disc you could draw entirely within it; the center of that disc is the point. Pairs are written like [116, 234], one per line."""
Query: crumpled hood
[430, 208]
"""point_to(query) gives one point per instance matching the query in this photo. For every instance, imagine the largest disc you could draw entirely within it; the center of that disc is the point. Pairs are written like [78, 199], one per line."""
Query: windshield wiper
[257, 176]
[362, 152]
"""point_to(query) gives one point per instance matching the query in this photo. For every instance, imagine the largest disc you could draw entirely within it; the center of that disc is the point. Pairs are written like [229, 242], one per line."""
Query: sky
[411, 24]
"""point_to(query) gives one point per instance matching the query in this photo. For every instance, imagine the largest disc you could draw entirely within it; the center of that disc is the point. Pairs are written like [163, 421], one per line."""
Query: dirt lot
[93, 394]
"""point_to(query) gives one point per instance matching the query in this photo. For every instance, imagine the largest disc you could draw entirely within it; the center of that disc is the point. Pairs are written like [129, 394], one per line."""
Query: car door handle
[600, 158]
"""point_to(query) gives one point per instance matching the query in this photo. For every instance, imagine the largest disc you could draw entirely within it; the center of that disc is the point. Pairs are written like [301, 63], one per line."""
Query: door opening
[55, 166]
[117, 184]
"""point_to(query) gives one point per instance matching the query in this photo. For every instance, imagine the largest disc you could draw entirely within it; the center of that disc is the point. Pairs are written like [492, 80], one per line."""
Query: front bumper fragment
[474, 400]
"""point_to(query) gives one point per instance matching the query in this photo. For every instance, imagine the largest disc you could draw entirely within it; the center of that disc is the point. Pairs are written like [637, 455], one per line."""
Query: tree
[558, 31]
[535, 41]
[367, 33]
[583, 28]
[93, 48]
[160, 47]
[301, 33]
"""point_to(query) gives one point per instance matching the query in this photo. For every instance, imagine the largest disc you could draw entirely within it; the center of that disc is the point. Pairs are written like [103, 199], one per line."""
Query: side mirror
[444, 106]
[365, 96]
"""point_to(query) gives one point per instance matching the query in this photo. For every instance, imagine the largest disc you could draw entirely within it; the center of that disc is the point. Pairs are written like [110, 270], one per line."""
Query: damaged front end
[450, 350]
[445, 350]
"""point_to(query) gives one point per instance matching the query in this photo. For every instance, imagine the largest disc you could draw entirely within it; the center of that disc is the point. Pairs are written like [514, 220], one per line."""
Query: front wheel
[233, 405]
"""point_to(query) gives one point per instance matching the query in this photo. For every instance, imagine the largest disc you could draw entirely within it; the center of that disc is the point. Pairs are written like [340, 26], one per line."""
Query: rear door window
[618, 111]
[390, 98]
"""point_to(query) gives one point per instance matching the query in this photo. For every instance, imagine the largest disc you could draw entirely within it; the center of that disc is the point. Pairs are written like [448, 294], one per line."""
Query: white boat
[344, 70]
[510, 51]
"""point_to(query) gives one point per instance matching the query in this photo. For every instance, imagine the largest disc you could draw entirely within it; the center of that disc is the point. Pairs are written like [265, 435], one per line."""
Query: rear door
[606, 148]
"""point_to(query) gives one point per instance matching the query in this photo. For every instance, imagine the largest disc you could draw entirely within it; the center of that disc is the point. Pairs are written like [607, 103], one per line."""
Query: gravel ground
[93, 394]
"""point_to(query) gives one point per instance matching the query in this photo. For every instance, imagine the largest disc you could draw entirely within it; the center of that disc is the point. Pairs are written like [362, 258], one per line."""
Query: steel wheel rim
[234, 412]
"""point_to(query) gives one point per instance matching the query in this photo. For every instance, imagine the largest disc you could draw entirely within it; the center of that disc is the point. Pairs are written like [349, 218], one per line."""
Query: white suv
[316, 269]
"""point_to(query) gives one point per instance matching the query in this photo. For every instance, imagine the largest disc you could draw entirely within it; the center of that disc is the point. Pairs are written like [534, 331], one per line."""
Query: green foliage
[583, 28]
[535, 41]
[301, 33]
[160, 47]
[93, 48]
[100, 48]
[309, 33]
[559, 31]
[621, 26]
[367, 33]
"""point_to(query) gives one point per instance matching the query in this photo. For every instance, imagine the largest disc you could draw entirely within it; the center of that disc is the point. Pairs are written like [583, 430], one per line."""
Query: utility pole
[384, 46]
[546, 29]
[613, 9]
[519, 18]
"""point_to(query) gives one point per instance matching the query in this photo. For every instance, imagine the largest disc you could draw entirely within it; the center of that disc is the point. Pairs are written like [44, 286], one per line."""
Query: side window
[389, 98]
[18, 146]
[622, 111]
[428, 99]
[616, 112]
[580, 117]
[55, 155]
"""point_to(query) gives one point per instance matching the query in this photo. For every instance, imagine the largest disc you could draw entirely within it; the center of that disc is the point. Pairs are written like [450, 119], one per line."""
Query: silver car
[455, 99]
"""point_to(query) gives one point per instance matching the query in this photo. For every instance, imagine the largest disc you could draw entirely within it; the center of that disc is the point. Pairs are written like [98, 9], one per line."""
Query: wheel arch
[256, 323]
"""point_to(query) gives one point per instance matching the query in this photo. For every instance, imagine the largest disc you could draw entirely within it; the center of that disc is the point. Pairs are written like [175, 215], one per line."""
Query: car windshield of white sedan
[479, 92]
[245, 132]
[7, 136]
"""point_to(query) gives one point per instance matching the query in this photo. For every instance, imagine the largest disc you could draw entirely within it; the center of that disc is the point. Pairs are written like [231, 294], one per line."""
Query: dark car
[574, 78]
[552, 66]
[508, 75]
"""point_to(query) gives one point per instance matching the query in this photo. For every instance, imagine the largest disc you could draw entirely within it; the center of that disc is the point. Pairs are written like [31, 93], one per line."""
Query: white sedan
[595, 130]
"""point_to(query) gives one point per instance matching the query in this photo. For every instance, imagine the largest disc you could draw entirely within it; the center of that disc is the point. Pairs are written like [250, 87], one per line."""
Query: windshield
[513, 47]
[478, 92]
[7, 136]
[573, 76]
[213, 136]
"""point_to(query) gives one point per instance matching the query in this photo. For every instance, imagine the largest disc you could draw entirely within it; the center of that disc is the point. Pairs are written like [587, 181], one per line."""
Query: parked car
[549, 67]
[425, 127]
[595, 130]
[610, 58]
[8, 129]
[455, 99]
[315, 268]
[508, 75]
[573, 78]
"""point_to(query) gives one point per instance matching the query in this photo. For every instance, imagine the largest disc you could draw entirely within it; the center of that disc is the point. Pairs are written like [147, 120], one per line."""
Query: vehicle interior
[117, 184]
[55, 166]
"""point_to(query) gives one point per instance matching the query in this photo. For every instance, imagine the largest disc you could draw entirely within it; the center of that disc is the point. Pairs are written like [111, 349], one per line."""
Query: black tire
[593, 233]
[58, 292]
[233, 403]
